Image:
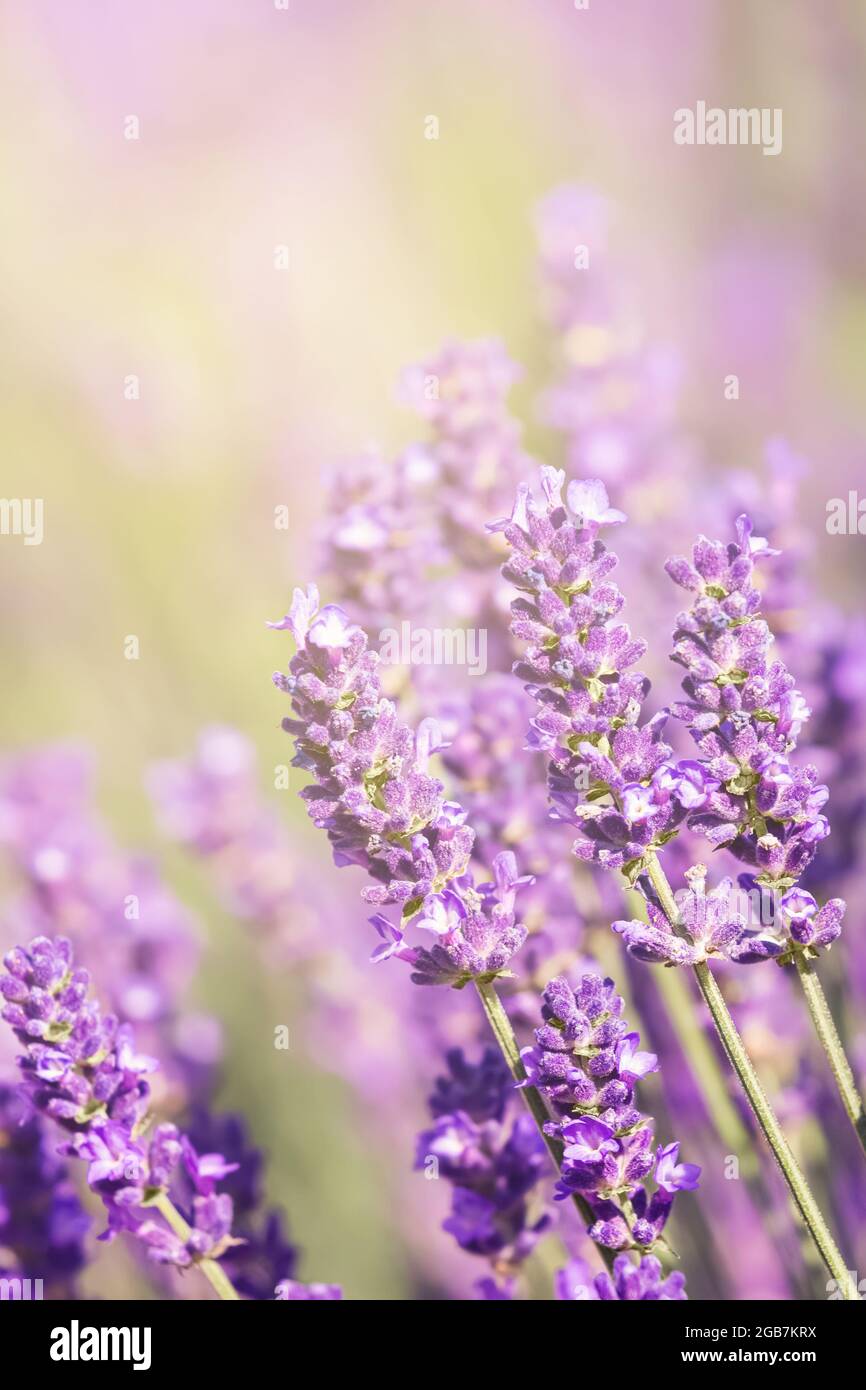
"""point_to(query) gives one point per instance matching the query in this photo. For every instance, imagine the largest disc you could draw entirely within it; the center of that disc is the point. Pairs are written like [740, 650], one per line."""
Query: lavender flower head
[479, 1089]
[708, 924]
[603, 761]
[42, 1222]
[629, 1283]
[290, 1291]
[210, 803]
[587, 1062]
[263, 1256]
[382, 810]
[745, 716]
[406, 534]
[140, 940]
[492, 1159]
[82, 1071]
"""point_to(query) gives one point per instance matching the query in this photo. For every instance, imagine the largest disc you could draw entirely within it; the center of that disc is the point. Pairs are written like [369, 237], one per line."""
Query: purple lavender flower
[708, 924]
[632, 1064]
[124, 921]
[492, 1159]
[602, 761]
[587, 1141]
[673, 1176]
[371, 792]
[587, 1061]
[479, 1089]
[806, 923]
[743, 712]
[476, 930]
[205, 1169]
[217, 1150]
[210, 802]
[78, 1067]
[407, 542]
[629, 1282]
[745, 716]
[82, 1071]
[291, 1291]
[209, 1238]
[384, 812]
[42, 1222]
[401, 530]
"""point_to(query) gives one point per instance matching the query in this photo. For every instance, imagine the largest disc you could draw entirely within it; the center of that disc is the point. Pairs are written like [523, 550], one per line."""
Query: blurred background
[226, 232]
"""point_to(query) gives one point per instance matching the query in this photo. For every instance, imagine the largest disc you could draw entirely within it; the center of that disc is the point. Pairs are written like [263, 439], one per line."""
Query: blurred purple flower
[493, 1160]
[629, 1282]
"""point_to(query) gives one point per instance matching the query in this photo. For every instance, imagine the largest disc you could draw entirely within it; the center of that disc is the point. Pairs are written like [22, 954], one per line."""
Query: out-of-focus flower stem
[500, 1026]
[211, 1269]
[750, 1082]
[828, 1035]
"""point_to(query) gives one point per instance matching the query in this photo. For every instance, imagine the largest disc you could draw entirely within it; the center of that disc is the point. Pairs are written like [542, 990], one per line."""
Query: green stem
[763, 1111]
[829, 1038]
[500, 1026]
[211, 1269]
[712, 1082]
[701, 1056]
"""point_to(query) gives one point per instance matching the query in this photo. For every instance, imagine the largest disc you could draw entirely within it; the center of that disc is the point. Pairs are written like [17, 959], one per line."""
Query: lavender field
[433, 535]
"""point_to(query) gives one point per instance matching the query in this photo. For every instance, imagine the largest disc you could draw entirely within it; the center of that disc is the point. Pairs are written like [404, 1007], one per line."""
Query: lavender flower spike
[82, 1071]
[630, 1282]
[708, 925]
[603, 763]
[614, 776]
[493, 1161]
[383, 811]
[42, 1222]
[745, 716]
[289, 1291]
[587, 1062]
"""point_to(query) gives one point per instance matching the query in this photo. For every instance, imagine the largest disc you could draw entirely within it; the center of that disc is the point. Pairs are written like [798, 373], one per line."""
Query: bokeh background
[154, 257]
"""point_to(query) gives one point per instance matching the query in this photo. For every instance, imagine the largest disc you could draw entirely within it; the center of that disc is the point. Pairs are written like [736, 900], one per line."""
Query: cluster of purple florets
[382, 810]
[587, 1062]
[493, 1159]
[577, 665]
[42, 1222]
[81, 1070]
[617, 780]
[629, 1282]
[745, 715]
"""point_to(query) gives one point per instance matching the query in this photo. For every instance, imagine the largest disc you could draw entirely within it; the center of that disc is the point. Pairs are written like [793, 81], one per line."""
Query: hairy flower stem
[829, 1038]
[706, 1067]
[784, 1228]
[211, 1269]
[763, 1111]
[500, 1026]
